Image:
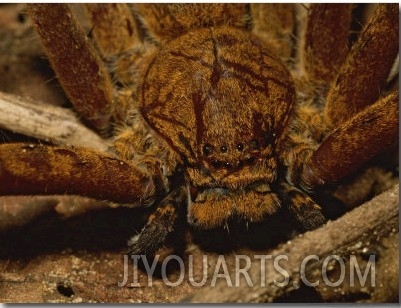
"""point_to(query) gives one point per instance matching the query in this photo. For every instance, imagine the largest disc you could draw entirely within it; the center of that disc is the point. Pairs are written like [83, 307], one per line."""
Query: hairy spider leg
[160, 224]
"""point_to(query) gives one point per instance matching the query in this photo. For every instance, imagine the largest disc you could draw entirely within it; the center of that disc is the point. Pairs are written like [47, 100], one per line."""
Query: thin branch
[46, 122]
[16, 211]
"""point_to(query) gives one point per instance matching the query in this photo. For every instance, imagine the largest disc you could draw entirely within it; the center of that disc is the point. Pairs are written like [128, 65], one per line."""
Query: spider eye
[240, 147]
[216, 164]
[250, 161]
[255, 144]
[219, 165]
[227, 165]
[223, 149]
[207, 149]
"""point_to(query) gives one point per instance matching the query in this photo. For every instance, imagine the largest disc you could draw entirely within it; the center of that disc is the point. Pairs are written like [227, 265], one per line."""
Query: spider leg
[160, 224]
[362, 133]
[38, 169]
[304, 210]
[114, 28]
[366, 134]
[78, 67]
[363, 75]
[326, 40]
[274, 23]
[167, 21]
[124, 50]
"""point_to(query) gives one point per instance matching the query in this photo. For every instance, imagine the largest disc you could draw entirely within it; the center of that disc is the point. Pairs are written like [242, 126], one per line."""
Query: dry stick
[374, 222]
[79, 69]
[326, 40]
[365, 71]
[46, 122]
[367, 134]
[274, 23]
[114, 27]
[20, 210]
[44, 170]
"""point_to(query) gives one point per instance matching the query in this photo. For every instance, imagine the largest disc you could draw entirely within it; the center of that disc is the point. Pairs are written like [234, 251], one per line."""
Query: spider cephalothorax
[208, 114]
[220, 100]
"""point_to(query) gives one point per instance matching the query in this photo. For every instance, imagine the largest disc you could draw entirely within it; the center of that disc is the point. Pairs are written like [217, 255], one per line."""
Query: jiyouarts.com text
[257, 270]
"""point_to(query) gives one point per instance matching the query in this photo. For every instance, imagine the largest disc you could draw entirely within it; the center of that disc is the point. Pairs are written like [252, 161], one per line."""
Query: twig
[46, 122]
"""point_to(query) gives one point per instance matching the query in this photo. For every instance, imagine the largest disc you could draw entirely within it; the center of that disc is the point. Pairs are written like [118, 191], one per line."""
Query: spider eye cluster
[209, 149]
[234, 156]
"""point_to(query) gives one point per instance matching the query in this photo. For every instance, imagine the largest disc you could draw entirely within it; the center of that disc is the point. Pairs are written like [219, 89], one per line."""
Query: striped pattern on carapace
[233, 102]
